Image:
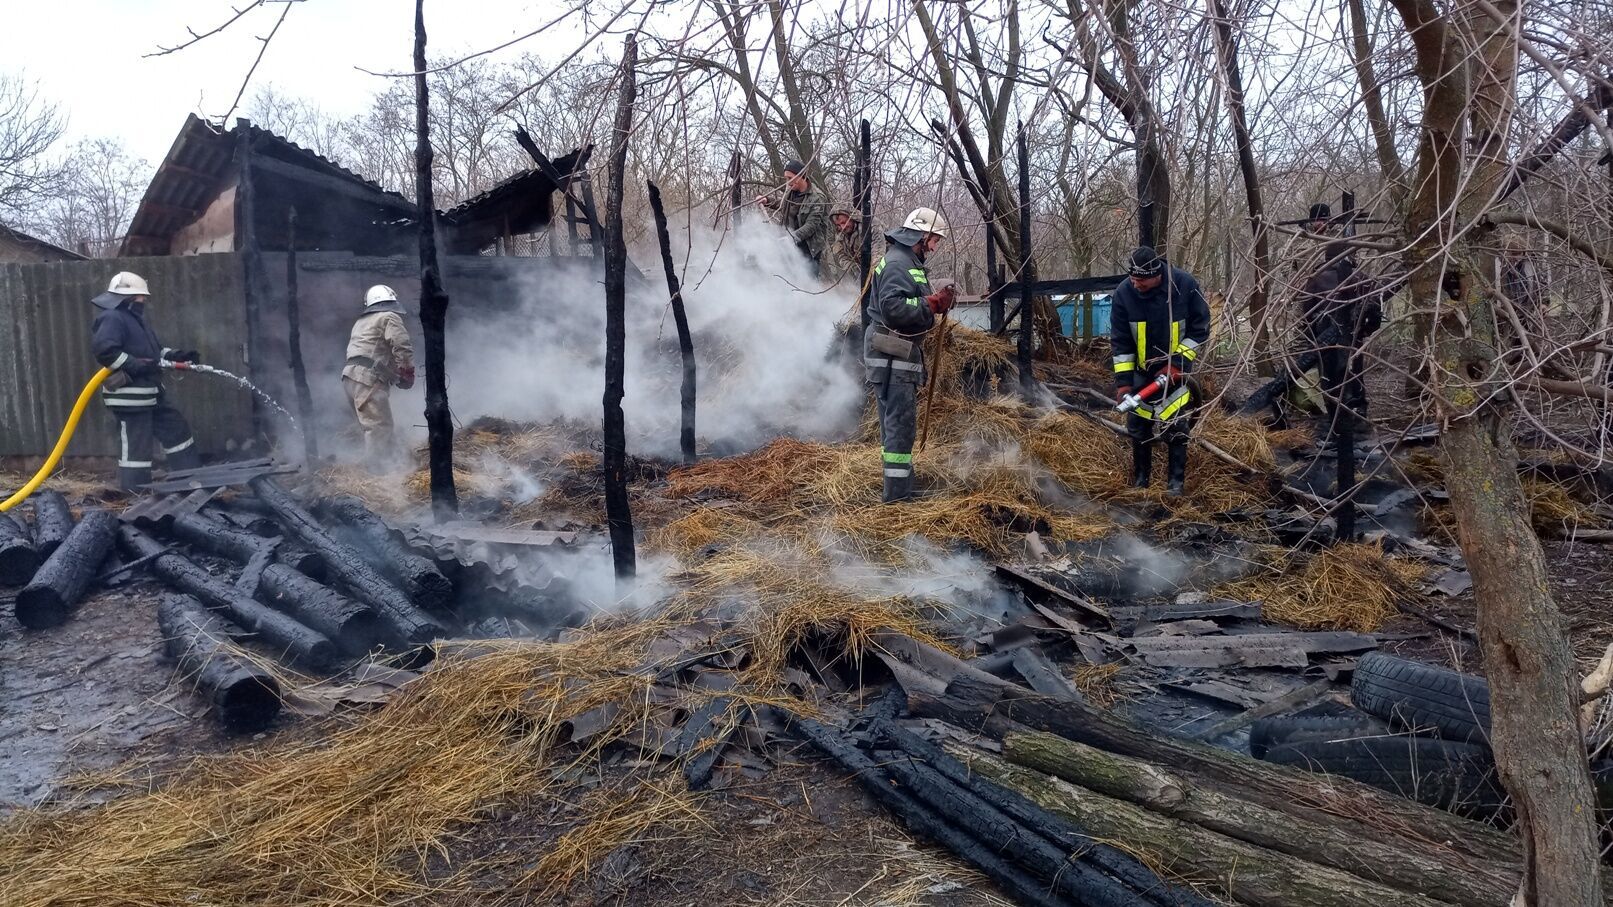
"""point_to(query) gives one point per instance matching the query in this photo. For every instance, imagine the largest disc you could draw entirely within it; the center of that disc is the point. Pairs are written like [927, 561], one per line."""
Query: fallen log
[999, 707]
[348, 567]
[18, 556]
[278, 631]
[216, 537]
[1252, 875]
[245, 697]
[58, 585]
[923, 821]
[417, 575]
[1430, 869]
[354, 627]
[53, 521]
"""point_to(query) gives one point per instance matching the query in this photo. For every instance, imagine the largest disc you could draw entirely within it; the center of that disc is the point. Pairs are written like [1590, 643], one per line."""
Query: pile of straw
[1344, 587]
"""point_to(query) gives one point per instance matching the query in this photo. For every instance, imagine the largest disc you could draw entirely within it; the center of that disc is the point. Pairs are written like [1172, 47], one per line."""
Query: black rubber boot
[1142, 464]
[898, 489]
[1176, 469]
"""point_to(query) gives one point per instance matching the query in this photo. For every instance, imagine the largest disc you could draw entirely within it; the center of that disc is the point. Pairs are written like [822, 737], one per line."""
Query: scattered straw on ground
[1097, 683]
[1344, 587]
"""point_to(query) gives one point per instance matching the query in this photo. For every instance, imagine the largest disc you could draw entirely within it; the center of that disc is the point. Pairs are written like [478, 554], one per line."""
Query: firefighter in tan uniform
[379, 355]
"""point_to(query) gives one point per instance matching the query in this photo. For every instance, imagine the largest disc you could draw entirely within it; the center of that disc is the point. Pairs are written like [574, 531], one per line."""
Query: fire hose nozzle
[1142, 396]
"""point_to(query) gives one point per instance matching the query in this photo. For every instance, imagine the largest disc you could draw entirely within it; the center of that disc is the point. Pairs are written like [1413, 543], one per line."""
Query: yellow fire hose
[84, 398]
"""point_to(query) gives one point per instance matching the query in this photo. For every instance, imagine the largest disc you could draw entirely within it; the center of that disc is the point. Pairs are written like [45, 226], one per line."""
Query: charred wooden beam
[864, 200]
[618, 513]
[209, 533]
[18, 556]
[433, 298]
[416, 575]
[58, 585]
[349, 567]
[299, 372]
[685, 340]
[53, 521]
[354, 627]
[275, 630]
[245, 697]
[1027, 275]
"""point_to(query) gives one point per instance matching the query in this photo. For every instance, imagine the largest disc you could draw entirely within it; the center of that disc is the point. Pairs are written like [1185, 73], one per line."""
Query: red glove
[1173, 375]
[942, 300]
[1121, 393]
[405, 376]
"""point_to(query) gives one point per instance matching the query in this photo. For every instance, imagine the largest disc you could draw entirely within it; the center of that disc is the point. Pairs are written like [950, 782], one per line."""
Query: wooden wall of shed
[214, 231]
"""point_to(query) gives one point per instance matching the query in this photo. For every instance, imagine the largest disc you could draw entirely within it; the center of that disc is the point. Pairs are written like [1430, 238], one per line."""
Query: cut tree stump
[245, 697]
[18, 556]
[53, 521]
[268, 626]
[1252, 875]
[1430, 869]
[58, 585]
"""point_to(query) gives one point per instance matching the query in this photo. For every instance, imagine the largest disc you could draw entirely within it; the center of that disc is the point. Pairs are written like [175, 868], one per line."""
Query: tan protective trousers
[372, 405]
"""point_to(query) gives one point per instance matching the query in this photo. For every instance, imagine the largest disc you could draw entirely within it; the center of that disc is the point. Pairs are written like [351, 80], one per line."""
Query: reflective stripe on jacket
[117, 336]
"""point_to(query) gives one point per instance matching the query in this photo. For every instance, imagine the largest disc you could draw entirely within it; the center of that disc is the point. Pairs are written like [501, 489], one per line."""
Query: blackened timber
[1027, 271]
[433, 298]
[59, 583]
[349, 567]
[18, 557]
[246, 239]
[680, 317]
[736, 193]
[865, 207]
[618, 513]
[202, 531]
[53, 521]
[923, 821]
[416, 575]
[354, 627]
[275, 630]
[245, 697]
[299, 372]
[994, 297]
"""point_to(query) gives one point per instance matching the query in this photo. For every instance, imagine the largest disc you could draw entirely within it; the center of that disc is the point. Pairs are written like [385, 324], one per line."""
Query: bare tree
[30, 127]
[100, 187]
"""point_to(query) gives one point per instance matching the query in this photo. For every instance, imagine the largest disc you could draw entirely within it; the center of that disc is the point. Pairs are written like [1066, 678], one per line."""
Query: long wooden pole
[1027, 275]
[433, 299]
[618, 513]
[929, 385]
[686, 433]
[299, 371]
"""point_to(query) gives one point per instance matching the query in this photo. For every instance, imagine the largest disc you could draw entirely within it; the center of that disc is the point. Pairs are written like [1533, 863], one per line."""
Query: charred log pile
[56, 588]
[245, 697]
[18, 556]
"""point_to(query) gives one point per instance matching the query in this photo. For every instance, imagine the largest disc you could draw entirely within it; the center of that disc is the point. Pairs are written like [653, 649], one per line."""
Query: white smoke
[762, 332]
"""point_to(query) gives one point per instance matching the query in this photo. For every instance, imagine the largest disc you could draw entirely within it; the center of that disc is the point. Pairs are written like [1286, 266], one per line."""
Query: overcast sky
[87, 54]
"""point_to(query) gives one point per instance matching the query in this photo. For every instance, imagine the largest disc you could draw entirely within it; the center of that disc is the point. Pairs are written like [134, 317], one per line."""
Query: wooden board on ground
[1035, 583]
[1215, 609]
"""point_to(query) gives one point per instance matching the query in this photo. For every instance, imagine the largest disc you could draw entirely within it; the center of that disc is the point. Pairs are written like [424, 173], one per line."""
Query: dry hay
[1083, 456]
[1246, 439]
[772, 474]
[1553, 510]
[347, 821]
[1343, 587]
[656, 813]
[1097, 683]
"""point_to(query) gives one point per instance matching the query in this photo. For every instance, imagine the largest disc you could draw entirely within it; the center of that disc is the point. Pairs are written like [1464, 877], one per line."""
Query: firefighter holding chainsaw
[1157, 324]
[123, 342]
[380, 356]
[902, 309]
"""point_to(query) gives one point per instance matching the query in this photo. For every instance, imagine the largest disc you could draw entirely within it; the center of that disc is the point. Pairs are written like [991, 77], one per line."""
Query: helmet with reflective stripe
[378, 294]
[926, 220]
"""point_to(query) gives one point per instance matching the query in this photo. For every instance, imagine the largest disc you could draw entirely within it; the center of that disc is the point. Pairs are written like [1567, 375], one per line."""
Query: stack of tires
[1421, 732]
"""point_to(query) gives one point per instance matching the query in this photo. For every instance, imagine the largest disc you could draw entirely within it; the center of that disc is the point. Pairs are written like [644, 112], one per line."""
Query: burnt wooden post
[618, 513]
[1342, 417]
[864, 198]
[433, 299]
[596, 242]
[299, 372]
[736, 191]
[246, 239]
[994, 295]
[681, 318]
[571, 225]
[1027, 272]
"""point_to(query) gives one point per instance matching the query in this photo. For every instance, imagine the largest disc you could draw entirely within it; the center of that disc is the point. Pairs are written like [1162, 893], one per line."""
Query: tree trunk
[1383, 138]
[245, 697]
[1317, 838]
[1227, 50]
[686, 393]
[1533, 694]
[618, 512]
[49, 599]
[299, 372]
[1253, 875]
[799, 127]
[433, 299]
[53, 521]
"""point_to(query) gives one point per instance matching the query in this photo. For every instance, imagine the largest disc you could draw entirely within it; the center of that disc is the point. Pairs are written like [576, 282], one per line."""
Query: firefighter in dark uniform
[122, 341]
[902, 309]
[1158, 323]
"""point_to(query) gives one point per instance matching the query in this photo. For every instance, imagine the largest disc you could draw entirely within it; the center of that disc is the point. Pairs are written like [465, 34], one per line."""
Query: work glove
[405, 377]
[1121, 393]
[942, 300]
[140, 368]
[1173, 375]
[184, 356]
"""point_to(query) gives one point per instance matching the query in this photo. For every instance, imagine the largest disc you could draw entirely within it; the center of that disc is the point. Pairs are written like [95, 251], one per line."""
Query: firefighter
[1158, 324]
[804, 212]
[902, 308]
[379, 356]
[122, 341]
[1337, 311]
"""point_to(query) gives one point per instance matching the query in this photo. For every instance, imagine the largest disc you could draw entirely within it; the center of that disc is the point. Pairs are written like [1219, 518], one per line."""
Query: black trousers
[898, 417]
[140, 429]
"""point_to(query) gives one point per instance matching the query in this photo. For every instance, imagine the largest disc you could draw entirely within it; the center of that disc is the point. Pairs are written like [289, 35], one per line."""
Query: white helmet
[128, 283]
[378, 294]
[926, 220]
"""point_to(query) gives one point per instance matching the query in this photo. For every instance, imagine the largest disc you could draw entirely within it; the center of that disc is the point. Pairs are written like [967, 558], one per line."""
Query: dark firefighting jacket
[1168, 325]
[898, 312]
[122, 341]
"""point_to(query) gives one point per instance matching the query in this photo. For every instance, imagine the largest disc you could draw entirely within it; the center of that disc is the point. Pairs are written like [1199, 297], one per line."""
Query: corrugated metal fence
[197, 302]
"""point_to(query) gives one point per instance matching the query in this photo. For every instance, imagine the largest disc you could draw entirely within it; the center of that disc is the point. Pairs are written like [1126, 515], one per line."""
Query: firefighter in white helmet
[122, 341]
[379, 356]
[901, 310]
